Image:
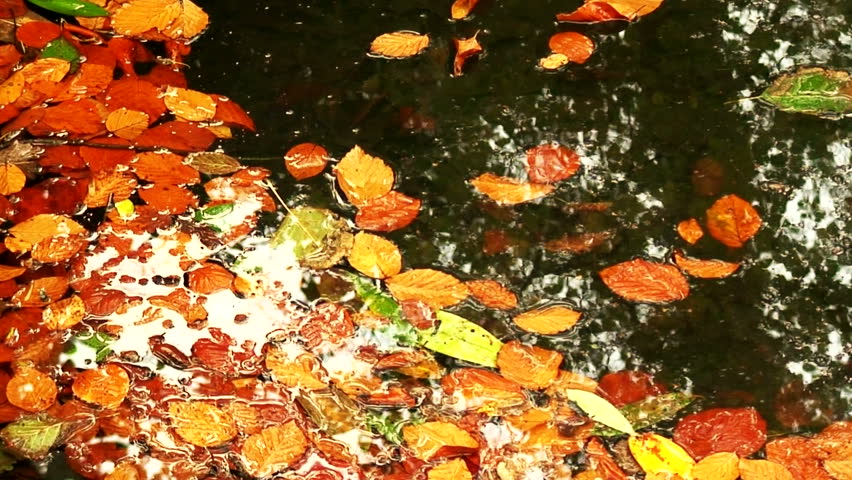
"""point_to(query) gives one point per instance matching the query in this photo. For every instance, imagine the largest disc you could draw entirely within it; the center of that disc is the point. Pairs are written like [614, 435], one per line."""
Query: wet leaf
[576, 47]
[628, 386]
[202, 424]
[602, 463]
[604, 10]
[363, 177]
[164, 168]
[763, 470]
[579, 243]
[812, 91]
[476, 388]
[210, 278]
[547, 320]
[31, 390]
[105, 386]
[33, 437]
[532, 367]
[375, 256]
[839, 469]
[37, 34]
[599, 410]
[400, 44]
[465, 48]
[492, 294]
[438, 289]
[61, 48]
[39, 227]
[41, 291]
[190, 105]
[649, 411]
[170, 199]
[387, 213]
[306, 160]
[127, 124]
[551, 162]
[8, 272]
[213, 163]
[318, 237]
[12, 179]
[454, 469]
[460, 338]
[295, 367]
[426, 439]
[690, 231]
[375, 299]
[643, 281]
[462, 8]
[76, 8]
[705, 268]
[274, 449]
[64, 314]
[176, 135]
[508, 191]
[136, 95]
[738, 430]
[719, 466]
[110, 186]
[659, 455]
[732, 221]
[174, 19]
[554, 61]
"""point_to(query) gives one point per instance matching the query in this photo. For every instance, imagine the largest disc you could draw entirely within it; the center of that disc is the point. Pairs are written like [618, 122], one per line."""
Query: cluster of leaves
[152, 331]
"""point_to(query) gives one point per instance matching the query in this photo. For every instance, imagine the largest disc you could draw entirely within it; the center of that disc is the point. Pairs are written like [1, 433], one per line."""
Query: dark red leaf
[37, 34]
[134, 94]
[107, 158]
[182, 136]
[551, 162]
[738, 430]
[628, 386]
[12, 8]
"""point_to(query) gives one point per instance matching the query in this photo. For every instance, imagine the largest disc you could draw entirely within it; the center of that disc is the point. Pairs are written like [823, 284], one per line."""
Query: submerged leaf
[460, 338]
[705, 268]
[732, 221]
[426, 439]
[319, 238]
[465, 48]
[812, 91]
[33, 437]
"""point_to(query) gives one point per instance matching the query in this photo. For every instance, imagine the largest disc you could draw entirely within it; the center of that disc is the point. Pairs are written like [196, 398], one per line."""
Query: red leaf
[168, 198]
[12, 8]
[551, 162]
[107, 158]
[738, 430]
[75, 117]
[54, 195]
[162, 75]
[643, 281]
[62, 156]
[164, 168]
[37, 34]
[576, 46]
[231, 114]
[387, 213]
[306, 160]
[627, 386]
[138, 95]
[182, 136]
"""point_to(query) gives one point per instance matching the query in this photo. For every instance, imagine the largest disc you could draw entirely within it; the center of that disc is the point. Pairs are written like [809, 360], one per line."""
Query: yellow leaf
[719, 466]
[399, 44]
[12, 179]
[274, 449]
[658, 455]
[375, 256]
[438, 289]
[455, 469]
[634, 8]
[175, 19]
[548, 320]
[202, 424]
[426, 439]
[839, 469]
[363, 177]
[763, 470]
[600, 410]
[508, 191]
[461, 8]
[554, 61]
[127, 124]
[12, 88]
[190, 105]
[45, 225]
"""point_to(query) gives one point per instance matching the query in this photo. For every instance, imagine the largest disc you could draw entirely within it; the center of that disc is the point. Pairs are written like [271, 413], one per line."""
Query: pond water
[657, 118]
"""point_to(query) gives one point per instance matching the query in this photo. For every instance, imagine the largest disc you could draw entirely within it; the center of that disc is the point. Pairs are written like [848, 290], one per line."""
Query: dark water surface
[657, 100]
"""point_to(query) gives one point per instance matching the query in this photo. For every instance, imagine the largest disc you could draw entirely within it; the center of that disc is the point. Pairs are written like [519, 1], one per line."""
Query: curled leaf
[465, 48]
[461, 8]
[690, 231]
[508, 191]
[705, 268]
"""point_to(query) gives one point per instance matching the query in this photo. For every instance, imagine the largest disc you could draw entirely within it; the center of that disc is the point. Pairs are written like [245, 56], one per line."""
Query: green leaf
[648, 412]
[387, 425]
[812, 91]
[61, 48]
[218, 217]
[77, 8]
[7, 462]
[460, 338]
[319, 237]
[32, 437]
[375, 299]
[600, 410]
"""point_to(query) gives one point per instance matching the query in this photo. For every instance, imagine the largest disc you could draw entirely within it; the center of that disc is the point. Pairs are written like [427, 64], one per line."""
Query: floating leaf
[76, 8]
[551, 162]
[548, 320]
[33, 437]
[387, 213]
[738, 430]
[295, 367]
[579, 243]
[454, 469]
[554, 61]
[12, 179]
[732, 221]
[438, 289]
[532, 367]
[375, 299]
[465, 48]
[492, 294]
[37, 34]
[649, 412]
[427, 439]
[375, 256]
[305, 160]
[105, 386]
[604, 10]
[61, 48]
[400, 44]
[508, 191]
[190, 105]
[705, 268]
[318, 237]
[690, 231]
[64, 314]
[460, 338]
[643, 281]
[31, 390]
[210, 278]
[174, 19]
[659, 455]
[628, 386]
[719, 466]
[363, 177]
[576, 47]
[763, 470]
[107, 186]
[127, 124]
[213, 163]
[482, 389]
[164, 168]
[462, 8]
[202, 424]
[274, 449]
[599, 410]
[812, 91]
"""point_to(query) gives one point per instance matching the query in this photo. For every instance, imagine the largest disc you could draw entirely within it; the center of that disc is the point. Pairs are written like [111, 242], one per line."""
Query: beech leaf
[643, 281]
[460, 338]
[659, 455]
[400, 44]
[33, 436]
[438, 289]
[508, 191]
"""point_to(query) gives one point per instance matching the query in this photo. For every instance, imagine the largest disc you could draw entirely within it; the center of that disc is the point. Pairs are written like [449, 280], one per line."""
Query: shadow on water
[655, 117]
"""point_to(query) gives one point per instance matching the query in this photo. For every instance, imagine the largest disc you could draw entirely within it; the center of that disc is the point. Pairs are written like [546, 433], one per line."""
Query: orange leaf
[633, 9]
[8, 272]
[461, 8]
[579, 243]
[167, 198]
[110, 186]
[12, 88]
[479, 388]
[37, 34]
[231, 114]
[763, 470]
[164, 168]
[554, 61]
[426, 439]
[91, 79]
[64, 314]
[127, 123]
[551, 162]
[548, 320]
[190, 105]
[508, 191]
[602, 462]
[492, 294]
[400, 44]
[209, 279]
[172, 19]
[705, 268]
[387, 213]
[591, 12]
[12, 179]
[454, 469]
[76, 117]
[690, 231]
[643, 281]
[465, 48]
[732, 221]
[39, 227]
[177, 136]
[138, 95]
[575, 46]
[375, 256]
[363, 177]
[202, 424]
[31, 390]
[59, 248]
[274, 449]
[438, 289]
[41, 292]
[532, 367]
[105, 386]
[295, 367]
[305, 160]
[719, 466]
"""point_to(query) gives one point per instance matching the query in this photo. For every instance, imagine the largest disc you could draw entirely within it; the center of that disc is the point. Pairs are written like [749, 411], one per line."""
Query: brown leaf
[164, 168]
[732, 221]
[363, 177]
[375, 256]
[31, 390]
[202, 424]
[59, 248]
[41, 292]
[110, 186]
[12, 179]
[579, 243]
[438, 289]
[719, 466]
[465, 48]
[705, 268]
[213, 163]
[273, 449]
[426, 439]
[400, 44]
[492, 294]
[477, 388]
[64, 314]
[548, 320]
[387, 213]
[305, 160]
[576, 47]
[763, 470]
[461, 8]
[105, 386]
[643, 281]
[690, 231]
[532, 367]
[189, 105]
[508, 191]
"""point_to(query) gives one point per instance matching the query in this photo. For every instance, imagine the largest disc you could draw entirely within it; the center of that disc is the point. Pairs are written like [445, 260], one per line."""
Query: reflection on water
[656, 102]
